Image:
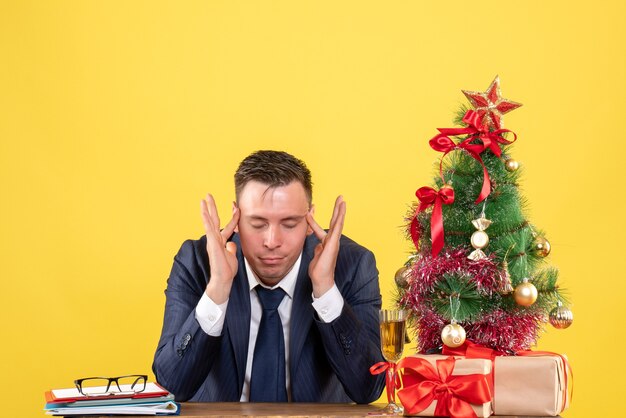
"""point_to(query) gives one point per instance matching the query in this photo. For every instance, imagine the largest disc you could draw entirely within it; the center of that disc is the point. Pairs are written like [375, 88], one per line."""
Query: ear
[234, 208]
[309, 230]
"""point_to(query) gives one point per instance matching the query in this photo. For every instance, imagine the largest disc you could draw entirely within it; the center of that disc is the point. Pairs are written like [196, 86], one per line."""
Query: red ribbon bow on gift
[475, 130]
[392, 380]
[454, 394]
[430, 197]
[472, 350]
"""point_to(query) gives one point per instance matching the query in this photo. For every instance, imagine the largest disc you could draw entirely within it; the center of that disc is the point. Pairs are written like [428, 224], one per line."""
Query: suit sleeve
[185, 353]
[352, 341]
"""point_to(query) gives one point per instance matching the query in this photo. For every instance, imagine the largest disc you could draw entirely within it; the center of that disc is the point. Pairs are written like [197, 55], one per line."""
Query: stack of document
[154, 400]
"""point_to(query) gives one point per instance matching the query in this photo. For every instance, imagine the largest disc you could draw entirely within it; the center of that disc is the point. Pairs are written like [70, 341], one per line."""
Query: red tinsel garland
[428, 271]
[505, 331]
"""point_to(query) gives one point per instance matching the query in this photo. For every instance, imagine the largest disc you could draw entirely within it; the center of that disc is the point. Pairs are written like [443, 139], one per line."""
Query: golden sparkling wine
[392, 339]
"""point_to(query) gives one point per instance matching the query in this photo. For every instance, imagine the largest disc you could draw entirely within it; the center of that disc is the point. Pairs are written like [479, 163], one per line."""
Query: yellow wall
[116, 117]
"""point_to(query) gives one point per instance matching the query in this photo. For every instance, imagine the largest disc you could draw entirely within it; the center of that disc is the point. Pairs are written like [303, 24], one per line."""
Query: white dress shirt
[211, 316]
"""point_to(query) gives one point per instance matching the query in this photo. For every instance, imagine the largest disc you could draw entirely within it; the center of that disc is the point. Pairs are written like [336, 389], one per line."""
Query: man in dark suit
[272, 307]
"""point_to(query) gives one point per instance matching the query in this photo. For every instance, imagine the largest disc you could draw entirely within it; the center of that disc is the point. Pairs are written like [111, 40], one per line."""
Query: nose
[273, 238]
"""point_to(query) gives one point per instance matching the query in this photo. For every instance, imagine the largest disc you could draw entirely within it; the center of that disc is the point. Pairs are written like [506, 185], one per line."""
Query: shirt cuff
[210, 316]
[329, 305]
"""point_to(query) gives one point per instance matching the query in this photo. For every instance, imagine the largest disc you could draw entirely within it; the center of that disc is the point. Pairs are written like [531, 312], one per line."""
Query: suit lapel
[238, 317]
[301, 311]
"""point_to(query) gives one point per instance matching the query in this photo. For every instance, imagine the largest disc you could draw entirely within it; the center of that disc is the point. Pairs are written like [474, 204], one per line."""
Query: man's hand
[222, 254]
[322, 267]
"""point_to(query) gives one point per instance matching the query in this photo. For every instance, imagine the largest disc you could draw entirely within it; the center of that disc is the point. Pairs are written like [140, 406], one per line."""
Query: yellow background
[116, 117]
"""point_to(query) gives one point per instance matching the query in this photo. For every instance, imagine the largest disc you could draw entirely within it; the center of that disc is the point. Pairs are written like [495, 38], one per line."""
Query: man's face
[272, 227]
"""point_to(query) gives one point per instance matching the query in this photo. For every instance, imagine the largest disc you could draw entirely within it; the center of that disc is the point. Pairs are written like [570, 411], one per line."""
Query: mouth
[271, 261]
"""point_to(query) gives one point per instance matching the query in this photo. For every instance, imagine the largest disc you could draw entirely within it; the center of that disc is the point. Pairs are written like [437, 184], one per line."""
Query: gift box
[437, 385]
[531, 384]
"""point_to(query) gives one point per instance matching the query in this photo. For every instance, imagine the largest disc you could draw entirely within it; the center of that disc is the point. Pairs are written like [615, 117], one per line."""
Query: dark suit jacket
[329, 362]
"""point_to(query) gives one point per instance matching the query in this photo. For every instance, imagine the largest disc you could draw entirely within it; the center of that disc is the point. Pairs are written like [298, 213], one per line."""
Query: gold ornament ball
[479, 239]
[402, 277]
[561, 317]
[541, 247]
[525, 293]
[453, 335]
[511, 165]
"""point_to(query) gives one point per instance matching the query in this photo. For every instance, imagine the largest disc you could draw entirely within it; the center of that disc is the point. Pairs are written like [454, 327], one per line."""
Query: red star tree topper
[490, 105]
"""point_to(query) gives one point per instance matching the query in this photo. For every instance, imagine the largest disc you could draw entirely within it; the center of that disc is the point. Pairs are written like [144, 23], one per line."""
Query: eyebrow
[289, 218]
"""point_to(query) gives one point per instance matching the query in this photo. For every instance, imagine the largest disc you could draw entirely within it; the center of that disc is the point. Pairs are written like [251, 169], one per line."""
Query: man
[223, 341]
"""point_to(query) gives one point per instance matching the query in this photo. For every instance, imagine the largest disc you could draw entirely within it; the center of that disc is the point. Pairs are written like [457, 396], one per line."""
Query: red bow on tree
[475, 130]
[423, 384]
[430, 197]
[444, 144]
[490, 139]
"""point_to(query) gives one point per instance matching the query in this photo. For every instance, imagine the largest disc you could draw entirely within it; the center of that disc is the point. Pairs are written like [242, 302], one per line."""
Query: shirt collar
[288, 283]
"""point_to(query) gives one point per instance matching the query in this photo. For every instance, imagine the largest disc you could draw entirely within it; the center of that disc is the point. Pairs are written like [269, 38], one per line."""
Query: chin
[271, 275]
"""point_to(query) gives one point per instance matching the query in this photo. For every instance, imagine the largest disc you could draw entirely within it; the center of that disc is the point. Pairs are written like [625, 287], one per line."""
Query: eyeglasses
[102, 386]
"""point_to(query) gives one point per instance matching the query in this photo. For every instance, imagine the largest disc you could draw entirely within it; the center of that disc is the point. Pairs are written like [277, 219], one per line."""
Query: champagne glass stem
[392, 407]
[391, 386]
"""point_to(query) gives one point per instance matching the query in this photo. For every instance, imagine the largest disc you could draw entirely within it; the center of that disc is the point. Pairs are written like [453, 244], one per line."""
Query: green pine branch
[454, 286]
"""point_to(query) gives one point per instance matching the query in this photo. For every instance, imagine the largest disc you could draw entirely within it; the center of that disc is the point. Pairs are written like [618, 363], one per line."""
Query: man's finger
[318, 250]
[206, 218]
[231, 247]
[317, 230]
[333, 218]
[336, 226]
[215, 219]
[230, 227]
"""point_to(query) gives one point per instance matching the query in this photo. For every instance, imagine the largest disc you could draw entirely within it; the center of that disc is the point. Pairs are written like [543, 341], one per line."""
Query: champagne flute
[392, 334]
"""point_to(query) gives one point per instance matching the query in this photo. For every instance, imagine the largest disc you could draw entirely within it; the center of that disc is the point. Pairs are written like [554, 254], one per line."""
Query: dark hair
[274, 168]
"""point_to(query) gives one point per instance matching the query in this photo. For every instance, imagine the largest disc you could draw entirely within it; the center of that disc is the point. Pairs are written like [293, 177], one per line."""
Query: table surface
[247, 409]
[278, 410]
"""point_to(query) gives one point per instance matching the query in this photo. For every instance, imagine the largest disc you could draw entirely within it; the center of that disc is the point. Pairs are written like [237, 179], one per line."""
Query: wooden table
[246, 409]
[277, 410]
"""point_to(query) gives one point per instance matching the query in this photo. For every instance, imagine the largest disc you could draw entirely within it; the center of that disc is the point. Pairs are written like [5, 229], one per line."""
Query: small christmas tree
[479, 266]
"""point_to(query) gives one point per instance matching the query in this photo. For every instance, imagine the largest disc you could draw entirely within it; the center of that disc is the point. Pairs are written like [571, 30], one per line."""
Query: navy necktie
[267, 383]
